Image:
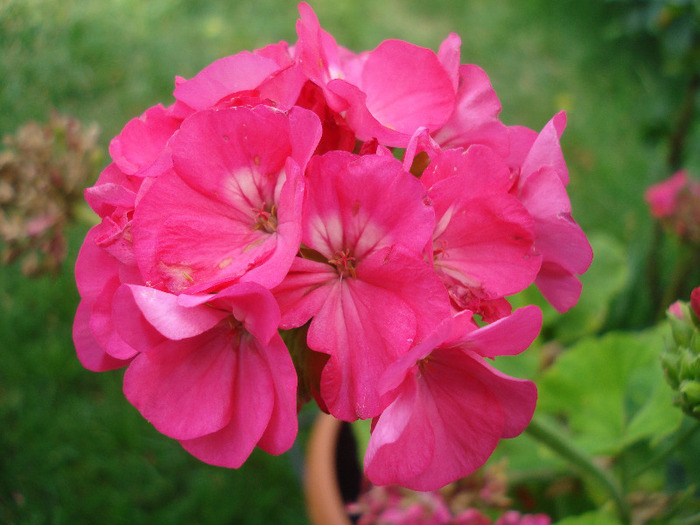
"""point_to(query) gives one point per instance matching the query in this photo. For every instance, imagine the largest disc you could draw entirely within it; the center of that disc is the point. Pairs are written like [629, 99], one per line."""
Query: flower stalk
[552, 438]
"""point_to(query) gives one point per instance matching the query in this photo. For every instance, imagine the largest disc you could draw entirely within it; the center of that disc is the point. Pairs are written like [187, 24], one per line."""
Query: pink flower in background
[275, 194]
[447, 408]
[676, 203]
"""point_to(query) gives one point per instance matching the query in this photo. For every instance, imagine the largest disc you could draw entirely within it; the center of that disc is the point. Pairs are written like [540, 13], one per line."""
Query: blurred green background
[72, 449]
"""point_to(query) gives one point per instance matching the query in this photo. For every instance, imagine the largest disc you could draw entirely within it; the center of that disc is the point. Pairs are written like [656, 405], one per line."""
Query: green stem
[553, 438]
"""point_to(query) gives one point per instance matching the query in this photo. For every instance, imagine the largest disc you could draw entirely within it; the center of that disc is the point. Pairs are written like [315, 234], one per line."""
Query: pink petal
[546, 150]
[102, 323]
[143, 139]
[185, 388]
[448, 55]
[165, 314]
[89, 351]
[368, 322]
[510, 335]
[482, 246]
[241, 72]
[561, 289]
[347, 208]
[303, 291]
[407, 87]
[282, 428]
[475, 116]
[251, 405]
[393, 453]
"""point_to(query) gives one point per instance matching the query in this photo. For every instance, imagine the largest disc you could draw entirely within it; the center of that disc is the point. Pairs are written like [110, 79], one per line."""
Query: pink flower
[482, 244]
[364, 285]
[447, 409]
[230, 209]
[221, 381]
[676, 202]
[541, 187]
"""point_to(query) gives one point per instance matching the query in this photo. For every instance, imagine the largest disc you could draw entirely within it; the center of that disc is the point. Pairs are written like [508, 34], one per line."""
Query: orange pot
[324, 497]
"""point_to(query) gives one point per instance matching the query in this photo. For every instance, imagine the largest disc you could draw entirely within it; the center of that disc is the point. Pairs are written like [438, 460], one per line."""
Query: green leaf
[596, 517]
[611, 391]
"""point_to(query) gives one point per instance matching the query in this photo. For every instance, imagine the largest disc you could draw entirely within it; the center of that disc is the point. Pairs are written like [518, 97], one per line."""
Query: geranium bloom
[221, 381]
[365, 286]
[269, 197]
[449, 408]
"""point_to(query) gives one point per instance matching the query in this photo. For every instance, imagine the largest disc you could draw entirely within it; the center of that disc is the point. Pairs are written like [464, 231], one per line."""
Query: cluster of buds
[43, 171]
[681, 360]
[676, 203]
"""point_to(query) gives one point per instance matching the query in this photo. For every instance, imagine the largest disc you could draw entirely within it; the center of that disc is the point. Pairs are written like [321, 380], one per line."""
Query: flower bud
[681, 359]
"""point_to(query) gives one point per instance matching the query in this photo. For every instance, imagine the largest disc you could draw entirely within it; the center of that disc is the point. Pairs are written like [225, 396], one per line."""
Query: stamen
[344, 263]
[266, 220]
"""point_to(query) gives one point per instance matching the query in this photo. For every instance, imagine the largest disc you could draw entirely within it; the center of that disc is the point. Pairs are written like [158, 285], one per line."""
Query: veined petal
[184, 388]
[251, 398]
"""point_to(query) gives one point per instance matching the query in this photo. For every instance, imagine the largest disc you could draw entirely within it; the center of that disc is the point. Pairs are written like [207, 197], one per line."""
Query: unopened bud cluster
[681, 360]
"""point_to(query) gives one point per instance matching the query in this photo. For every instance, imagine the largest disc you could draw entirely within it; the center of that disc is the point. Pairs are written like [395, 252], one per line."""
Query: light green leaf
[611, 391]
[596, 517]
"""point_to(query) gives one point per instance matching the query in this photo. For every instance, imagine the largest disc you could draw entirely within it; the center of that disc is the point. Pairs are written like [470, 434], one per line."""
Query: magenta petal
[558, 286]
[185, 388]
[407, 87]
[241, 72]
[89, 351]
[546, 150]
[475, 117]
[251, 404]
[174, 321]
[281, 431]
[507, 336]
[143, 139]
[394, 453]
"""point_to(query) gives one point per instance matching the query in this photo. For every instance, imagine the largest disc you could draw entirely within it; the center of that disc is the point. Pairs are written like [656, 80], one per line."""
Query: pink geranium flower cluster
[304, 219]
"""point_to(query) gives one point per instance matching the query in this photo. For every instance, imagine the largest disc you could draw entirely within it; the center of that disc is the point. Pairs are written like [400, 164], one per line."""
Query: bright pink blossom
[230, 209]
[448, 408]
[676, 202]
[222, 380]
[365, 286]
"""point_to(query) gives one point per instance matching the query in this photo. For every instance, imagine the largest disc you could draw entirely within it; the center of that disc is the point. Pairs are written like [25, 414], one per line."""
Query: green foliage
[611, 391]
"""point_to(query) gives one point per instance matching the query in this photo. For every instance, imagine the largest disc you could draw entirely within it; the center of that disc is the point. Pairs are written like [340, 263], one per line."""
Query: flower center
[266, 219]
[344, 263]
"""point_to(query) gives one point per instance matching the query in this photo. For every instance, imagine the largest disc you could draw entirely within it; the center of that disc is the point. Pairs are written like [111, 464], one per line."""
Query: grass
[74, 451]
